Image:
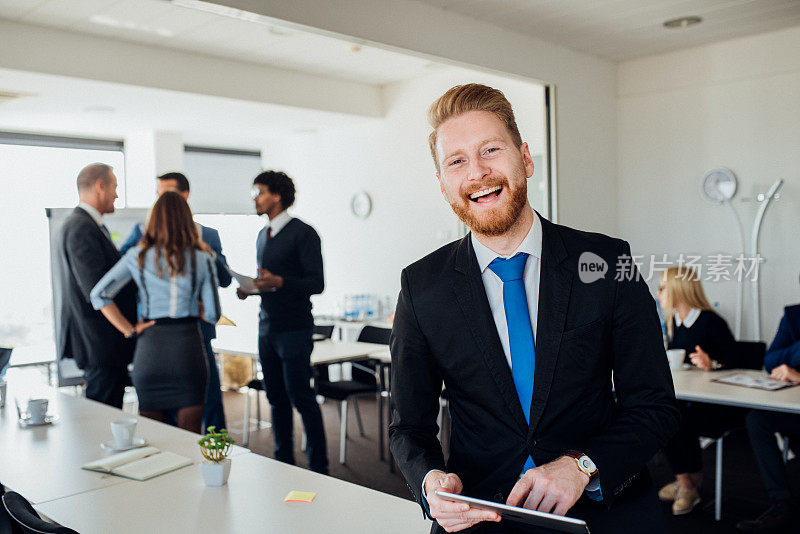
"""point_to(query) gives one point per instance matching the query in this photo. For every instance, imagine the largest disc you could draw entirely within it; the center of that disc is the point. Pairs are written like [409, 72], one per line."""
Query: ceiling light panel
[63, 14]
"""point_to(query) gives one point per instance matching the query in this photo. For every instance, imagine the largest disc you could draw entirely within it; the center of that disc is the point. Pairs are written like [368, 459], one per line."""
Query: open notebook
[139, 464]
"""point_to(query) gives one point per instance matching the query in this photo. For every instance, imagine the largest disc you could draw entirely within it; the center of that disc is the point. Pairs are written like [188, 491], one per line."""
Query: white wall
[586, 85]
[733, 104]
[391, 161]
[149, 153]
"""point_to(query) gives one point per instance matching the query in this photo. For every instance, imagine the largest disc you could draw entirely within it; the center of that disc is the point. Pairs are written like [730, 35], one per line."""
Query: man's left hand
[552, 488]
[267, 280]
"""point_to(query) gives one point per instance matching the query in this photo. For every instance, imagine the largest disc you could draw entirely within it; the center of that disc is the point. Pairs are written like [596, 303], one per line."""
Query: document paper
[758, 382]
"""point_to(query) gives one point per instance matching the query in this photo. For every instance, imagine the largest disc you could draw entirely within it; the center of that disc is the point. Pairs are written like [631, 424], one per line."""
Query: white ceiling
[614, 29]
[161, 23]
[625, 29]
[71, 106]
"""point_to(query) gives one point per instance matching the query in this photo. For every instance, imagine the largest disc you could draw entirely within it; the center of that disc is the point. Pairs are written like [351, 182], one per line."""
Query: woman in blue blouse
[177, 282]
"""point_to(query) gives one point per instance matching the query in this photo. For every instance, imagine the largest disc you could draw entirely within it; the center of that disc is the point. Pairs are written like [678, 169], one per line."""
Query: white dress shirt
[280, 220]
[96, 216]
[532, 245]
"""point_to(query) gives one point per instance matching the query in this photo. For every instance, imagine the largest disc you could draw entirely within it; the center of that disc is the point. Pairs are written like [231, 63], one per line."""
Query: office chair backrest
[324, 330]
[751, 354]
[7, 525]
[375, 334]
[359, 374]
[26, 517]
[5, 357]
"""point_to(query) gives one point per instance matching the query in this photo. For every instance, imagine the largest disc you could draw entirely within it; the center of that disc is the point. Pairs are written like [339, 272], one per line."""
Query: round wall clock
[361, 205]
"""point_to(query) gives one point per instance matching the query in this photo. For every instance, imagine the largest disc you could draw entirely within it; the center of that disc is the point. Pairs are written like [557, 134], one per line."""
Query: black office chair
[364, 381]
[325, 330]
[5, 357]
[26, 518]
[7, 525]
[750, 354]
[375, 334]
[257, 385]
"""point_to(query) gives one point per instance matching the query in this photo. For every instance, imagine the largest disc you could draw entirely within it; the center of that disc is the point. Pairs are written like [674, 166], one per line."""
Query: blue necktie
[520, 332]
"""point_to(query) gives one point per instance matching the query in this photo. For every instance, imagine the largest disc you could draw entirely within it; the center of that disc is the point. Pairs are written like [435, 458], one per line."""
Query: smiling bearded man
[525, 349]
[496, 221]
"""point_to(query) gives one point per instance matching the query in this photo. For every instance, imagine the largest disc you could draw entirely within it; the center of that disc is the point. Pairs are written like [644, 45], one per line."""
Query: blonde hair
[470, 97]
[682, 284]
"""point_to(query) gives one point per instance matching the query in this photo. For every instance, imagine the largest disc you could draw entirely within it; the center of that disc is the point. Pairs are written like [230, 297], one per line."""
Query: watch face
[586, 464]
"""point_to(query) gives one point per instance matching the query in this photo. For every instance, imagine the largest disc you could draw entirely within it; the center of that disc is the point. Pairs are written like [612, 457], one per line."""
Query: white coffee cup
[123, 430]
[676, 357]
[37, 410]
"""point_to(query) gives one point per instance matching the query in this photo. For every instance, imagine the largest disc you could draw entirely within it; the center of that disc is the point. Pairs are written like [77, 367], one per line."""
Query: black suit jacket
[84, 255]
[601, 381]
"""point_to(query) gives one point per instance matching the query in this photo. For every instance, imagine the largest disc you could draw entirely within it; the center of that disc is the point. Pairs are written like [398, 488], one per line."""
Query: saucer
[112, 446]
[49, 419]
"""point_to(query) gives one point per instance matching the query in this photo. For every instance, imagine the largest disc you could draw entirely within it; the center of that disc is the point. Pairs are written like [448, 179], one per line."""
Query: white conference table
[252, 501]
[44, 462]
[696, 385]
[244, 343]
[26, 356]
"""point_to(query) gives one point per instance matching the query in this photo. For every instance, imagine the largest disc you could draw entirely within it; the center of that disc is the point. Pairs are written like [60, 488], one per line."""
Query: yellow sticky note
[224, 321]
[300, 496]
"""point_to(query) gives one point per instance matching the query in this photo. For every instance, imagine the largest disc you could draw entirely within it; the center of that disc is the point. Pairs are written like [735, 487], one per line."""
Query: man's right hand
[241, 293]
[451, 515]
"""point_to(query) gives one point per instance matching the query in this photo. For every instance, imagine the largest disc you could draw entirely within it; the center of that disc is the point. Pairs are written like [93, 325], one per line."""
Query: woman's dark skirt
[170, 369]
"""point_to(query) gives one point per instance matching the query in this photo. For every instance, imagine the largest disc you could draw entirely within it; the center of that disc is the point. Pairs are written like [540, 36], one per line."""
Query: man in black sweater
[289, 258]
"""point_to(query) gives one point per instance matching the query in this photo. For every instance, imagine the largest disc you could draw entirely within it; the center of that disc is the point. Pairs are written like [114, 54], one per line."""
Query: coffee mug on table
[676, 358]
[37, 410]
[123, 430]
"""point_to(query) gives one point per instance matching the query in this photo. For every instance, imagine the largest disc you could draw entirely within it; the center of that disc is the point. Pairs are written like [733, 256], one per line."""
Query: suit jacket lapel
[107, 244]
[471, 296]
[555, 284]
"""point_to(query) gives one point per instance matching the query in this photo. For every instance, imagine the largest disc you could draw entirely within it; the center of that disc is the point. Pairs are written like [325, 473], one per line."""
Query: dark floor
[744, 496]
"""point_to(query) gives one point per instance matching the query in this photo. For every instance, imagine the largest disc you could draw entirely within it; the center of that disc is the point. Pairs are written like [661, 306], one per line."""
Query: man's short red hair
[470, 97]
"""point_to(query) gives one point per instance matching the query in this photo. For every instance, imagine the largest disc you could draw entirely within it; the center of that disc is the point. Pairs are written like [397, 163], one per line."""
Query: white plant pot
[216, 474]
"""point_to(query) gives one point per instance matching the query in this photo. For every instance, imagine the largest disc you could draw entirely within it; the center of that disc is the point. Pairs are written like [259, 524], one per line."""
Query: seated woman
[782, 361]
[177, 282]
[693, 325]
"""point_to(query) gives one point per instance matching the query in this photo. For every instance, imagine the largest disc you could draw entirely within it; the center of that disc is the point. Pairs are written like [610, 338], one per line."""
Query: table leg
[380, 410]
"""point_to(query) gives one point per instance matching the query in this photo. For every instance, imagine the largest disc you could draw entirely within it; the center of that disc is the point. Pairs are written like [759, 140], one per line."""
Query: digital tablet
[522, 515]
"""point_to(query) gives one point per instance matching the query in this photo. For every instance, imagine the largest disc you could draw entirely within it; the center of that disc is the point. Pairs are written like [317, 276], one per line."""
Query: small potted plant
[215, 448]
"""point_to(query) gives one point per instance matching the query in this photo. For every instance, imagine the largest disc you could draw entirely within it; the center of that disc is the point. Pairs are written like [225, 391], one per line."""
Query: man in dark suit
[85, 253]
[213, 412]
[555, 370]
